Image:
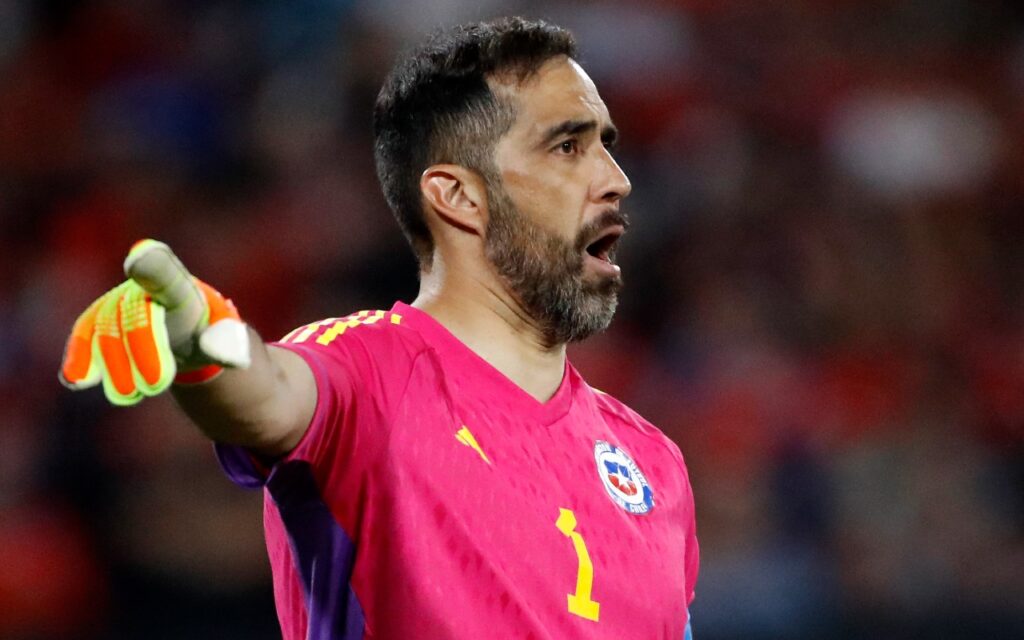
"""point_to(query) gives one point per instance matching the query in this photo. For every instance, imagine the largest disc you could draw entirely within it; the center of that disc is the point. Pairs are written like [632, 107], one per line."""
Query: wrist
[198, 376]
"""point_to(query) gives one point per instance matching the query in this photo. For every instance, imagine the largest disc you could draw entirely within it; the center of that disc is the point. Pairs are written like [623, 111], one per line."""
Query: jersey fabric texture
[432, 497]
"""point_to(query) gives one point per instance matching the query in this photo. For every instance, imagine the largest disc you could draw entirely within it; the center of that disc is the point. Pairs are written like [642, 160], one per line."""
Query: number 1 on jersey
[580, 602]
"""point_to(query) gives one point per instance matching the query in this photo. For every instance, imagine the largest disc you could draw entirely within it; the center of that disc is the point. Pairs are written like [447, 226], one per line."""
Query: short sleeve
[355, 374]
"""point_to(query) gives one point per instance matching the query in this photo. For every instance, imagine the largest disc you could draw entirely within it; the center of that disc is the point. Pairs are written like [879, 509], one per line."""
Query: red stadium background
[824, 304]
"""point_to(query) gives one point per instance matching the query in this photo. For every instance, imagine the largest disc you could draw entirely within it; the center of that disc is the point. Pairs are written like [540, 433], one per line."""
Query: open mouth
[603, 247]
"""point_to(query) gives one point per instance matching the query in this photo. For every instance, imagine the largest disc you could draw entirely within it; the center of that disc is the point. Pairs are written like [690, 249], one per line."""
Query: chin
[593, 315]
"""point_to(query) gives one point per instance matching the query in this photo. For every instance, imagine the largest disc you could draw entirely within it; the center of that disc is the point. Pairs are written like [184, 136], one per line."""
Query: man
[440, 470]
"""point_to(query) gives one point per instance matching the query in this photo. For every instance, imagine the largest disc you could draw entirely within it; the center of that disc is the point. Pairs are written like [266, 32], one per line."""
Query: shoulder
[641, 430]
[613, 408]
[365, 341]
[365, 328]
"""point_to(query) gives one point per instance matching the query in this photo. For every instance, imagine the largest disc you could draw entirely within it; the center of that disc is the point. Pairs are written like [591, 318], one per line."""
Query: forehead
[560, 90]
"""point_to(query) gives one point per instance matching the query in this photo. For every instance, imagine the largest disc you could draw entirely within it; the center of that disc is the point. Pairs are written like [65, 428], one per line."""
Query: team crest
[622, 479]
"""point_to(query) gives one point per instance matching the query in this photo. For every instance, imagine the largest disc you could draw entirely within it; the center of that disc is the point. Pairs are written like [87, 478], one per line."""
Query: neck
[485, 317]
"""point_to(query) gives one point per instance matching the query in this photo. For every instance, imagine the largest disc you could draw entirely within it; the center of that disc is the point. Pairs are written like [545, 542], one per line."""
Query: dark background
[824, 290]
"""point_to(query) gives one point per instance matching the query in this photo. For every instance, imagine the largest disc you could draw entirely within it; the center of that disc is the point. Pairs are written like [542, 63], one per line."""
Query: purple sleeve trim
[323, 553]
[239, 466]
[238, 463]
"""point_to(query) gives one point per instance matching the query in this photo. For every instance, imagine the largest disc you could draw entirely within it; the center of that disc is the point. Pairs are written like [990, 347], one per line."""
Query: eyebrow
[609, 134]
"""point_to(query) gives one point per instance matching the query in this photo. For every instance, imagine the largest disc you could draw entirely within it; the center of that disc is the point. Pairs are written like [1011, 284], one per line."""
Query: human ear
[457, 195]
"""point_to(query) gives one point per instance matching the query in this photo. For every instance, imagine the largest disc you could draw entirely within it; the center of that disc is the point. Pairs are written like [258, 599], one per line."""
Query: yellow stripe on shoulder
[327, 331]
[300, 335]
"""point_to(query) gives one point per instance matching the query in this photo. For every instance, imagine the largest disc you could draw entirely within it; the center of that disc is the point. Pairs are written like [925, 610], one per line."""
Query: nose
[610, 184]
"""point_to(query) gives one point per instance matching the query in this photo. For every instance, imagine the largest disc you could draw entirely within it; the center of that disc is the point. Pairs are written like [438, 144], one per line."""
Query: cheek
[551, 197]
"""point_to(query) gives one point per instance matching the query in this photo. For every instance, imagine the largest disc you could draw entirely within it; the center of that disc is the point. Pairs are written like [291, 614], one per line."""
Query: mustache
[607, 218]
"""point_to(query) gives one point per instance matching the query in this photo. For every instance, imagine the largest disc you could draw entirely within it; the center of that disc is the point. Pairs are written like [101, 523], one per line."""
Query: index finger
[158, 271]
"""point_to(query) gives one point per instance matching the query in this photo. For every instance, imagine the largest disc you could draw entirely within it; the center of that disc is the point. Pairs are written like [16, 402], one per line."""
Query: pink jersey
[433, 498]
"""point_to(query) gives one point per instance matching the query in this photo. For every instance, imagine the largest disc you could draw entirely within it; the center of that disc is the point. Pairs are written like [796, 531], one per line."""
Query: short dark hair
[436, 106]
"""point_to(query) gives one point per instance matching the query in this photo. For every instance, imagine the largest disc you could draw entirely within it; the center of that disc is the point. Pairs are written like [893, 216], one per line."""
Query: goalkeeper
[439, 469]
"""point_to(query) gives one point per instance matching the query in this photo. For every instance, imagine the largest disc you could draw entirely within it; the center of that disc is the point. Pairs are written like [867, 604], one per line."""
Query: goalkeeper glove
[159, 326]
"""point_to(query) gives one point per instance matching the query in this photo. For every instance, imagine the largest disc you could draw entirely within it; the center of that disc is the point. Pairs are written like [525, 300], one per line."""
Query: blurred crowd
[824, 302]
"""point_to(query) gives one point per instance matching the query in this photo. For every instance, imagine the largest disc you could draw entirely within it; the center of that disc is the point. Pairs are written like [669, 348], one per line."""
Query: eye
[568, 147]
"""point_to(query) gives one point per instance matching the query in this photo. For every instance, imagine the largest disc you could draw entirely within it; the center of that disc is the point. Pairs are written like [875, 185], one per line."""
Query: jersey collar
[465, 365]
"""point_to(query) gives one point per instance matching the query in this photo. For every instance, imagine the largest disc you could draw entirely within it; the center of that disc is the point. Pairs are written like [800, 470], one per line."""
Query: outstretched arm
[265, 408]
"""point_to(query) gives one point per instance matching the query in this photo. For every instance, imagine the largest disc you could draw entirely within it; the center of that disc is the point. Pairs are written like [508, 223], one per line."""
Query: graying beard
[545, 275]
